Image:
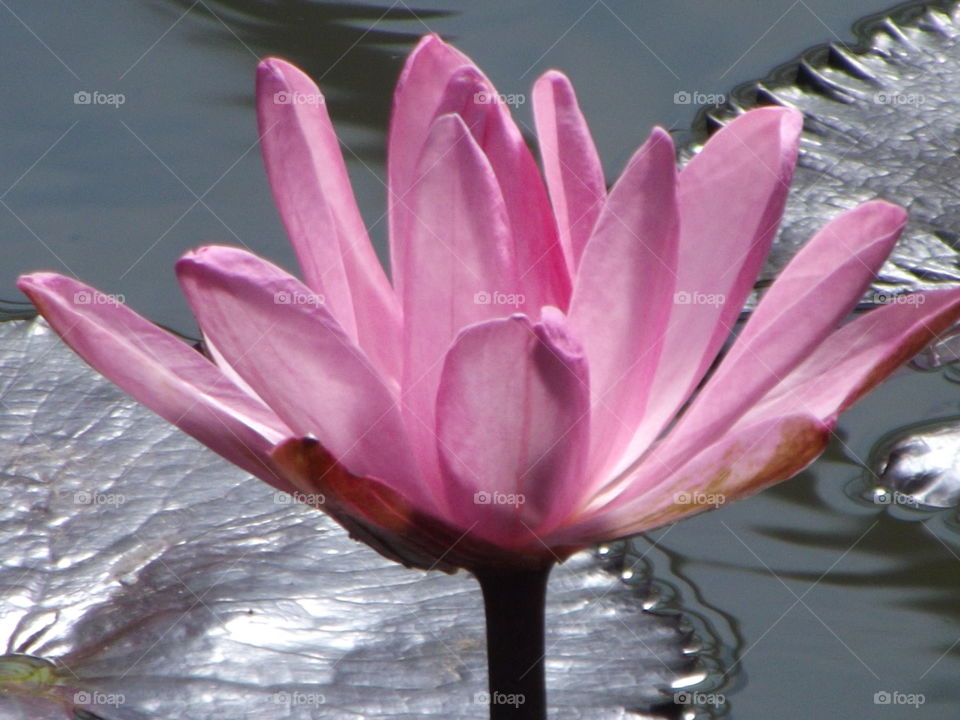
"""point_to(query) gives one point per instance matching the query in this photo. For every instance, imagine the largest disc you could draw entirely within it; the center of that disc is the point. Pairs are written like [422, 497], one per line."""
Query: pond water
[819, 601]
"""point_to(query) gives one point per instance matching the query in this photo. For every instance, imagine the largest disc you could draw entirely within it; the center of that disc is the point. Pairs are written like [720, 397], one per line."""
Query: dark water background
[819, 601]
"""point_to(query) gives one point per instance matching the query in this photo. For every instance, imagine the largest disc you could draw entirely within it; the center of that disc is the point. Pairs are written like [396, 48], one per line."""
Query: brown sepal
[386, 521]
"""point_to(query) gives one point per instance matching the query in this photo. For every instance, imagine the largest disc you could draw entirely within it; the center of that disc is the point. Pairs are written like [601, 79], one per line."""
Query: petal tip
[554, 79]
[203, 256]
[429, 40]
[893, 213]
[30, 281]
[35, 284]
[274, 69]
[429, 44]
[791, 125]
[660, 135]
[788, 120]
[277, 78]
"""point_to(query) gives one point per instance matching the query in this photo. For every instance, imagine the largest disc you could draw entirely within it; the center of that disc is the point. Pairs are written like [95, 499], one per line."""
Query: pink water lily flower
[528, 382]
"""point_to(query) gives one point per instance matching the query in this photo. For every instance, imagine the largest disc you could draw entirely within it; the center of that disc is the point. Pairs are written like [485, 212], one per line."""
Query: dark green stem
[515, 601]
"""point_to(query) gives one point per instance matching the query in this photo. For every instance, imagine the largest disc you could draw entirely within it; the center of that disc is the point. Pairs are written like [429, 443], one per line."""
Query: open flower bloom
[532, 379]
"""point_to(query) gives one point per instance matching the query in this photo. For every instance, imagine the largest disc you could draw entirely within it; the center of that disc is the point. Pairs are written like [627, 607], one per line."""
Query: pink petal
[281, 339]
[312, 191]
[810, 298]
[861, 354]
[785, 431]
[538, 254]
[624, 294]
[513, 422]
[162, 372]
[460, 254]
[731, 198]
[419, 90]
[570, 162]
[747, 459]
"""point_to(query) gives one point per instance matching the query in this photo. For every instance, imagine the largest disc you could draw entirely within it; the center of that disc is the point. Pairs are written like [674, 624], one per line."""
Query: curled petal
[513, 427]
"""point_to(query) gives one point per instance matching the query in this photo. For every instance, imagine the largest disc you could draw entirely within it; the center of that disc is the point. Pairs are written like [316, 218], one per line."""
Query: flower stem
[515, 601]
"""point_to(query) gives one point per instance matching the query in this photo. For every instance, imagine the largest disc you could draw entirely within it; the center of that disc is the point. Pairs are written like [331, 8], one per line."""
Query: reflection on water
[713, 634]
[353, 51]
[838, 599]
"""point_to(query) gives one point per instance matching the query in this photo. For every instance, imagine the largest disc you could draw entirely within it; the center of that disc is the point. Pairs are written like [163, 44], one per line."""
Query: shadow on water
[899, 548]
[354, 51]
[16, 310]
